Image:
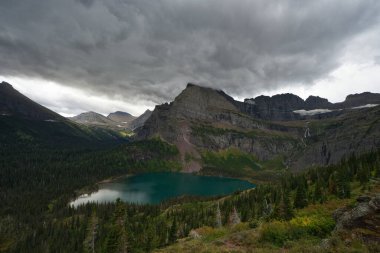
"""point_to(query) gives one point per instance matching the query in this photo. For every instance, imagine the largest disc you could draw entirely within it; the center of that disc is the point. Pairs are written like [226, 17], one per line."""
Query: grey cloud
[149, 50]
[377, 59]
[86, 3]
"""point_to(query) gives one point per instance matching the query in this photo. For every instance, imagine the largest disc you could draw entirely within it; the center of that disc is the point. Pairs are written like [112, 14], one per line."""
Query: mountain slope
[329, 140]
[140, 120]
[13, 103]
[92, 118]
[23, 121]
[116, 121]
[121, 117]
[203, 120]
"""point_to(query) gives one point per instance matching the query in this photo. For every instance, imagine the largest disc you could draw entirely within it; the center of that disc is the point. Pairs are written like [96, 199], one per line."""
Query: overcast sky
[107, 55]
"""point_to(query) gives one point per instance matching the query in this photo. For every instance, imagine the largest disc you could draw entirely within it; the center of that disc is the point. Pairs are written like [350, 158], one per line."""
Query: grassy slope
[235, 163]
[303, 233]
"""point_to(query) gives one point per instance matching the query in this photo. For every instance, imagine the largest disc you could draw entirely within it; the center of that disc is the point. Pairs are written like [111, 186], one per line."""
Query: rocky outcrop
[363, 220]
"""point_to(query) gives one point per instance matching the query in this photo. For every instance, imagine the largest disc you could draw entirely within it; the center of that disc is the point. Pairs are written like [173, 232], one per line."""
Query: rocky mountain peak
[196, 101]
[361, 99]
[315, 102]
[4, 85]
[91, 118]
[121, 117]
[140, 120]
[120, 113]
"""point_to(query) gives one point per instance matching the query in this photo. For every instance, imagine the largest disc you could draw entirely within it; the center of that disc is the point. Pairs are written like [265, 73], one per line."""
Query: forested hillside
[36, 217]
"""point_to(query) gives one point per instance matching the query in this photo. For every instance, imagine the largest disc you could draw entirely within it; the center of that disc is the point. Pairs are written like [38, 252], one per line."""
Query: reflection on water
[155, 187]
[106, 195]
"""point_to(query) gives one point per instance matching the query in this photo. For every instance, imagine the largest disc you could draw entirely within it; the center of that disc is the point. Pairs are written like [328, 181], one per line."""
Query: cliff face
[357, 131]
[207, 119]
[203, 119]
[315, 102]
[278, 107]
[360, 99]
[282, 107]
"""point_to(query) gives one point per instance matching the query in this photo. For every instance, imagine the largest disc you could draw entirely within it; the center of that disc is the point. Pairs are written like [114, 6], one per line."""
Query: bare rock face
[281, 107]
[278, 107]
[202, 103]
[183, 121]
[203, 118]
[315, 102]
[330, 140]
[359, 100]
[363, 219]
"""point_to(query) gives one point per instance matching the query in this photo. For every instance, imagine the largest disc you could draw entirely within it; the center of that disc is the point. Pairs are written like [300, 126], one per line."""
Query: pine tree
[173, 232]
[267, 208]
[363, 174]
[218, 222]
[234, 217]
[300, 200]
[343, 185]
[318, 195]
[284, 210]
[332, 184]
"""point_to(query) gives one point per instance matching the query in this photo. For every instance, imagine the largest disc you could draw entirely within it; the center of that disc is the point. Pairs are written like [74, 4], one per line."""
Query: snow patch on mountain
[312, 112]
[365, 106]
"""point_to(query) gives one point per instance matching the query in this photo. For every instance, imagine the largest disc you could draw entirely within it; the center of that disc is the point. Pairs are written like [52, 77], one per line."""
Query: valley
[302, 168]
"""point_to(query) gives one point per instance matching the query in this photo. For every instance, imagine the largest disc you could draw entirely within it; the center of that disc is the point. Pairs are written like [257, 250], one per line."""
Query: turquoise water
[153, 188]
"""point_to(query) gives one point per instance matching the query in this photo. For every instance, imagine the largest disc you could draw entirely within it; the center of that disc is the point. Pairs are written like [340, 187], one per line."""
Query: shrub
[253, 223]
[279, 232]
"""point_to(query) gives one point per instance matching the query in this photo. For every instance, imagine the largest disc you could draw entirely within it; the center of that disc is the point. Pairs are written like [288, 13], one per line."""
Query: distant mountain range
[282, 131]
[116, 120]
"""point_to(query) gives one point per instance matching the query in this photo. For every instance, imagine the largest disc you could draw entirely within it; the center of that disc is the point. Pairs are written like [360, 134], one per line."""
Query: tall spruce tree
[284, 210]
[234, 217]
[218, 222]
[300, 201]
[173, 232]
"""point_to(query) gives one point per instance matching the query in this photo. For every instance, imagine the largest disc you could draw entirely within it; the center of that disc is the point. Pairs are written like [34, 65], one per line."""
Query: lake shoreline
[156, 187]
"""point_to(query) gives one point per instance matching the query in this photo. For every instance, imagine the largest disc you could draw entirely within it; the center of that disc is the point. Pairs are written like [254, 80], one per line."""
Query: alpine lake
[153, 188]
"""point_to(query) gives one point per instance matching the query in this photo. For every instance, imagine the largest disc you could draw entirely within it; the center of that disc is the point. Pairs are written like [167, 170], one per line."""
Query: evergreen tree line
[122, 227]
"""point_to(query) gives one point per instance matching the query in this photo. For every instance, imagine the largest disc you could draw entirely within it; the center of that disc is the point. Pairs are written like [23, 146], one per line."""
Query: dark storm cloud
[149, 50]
